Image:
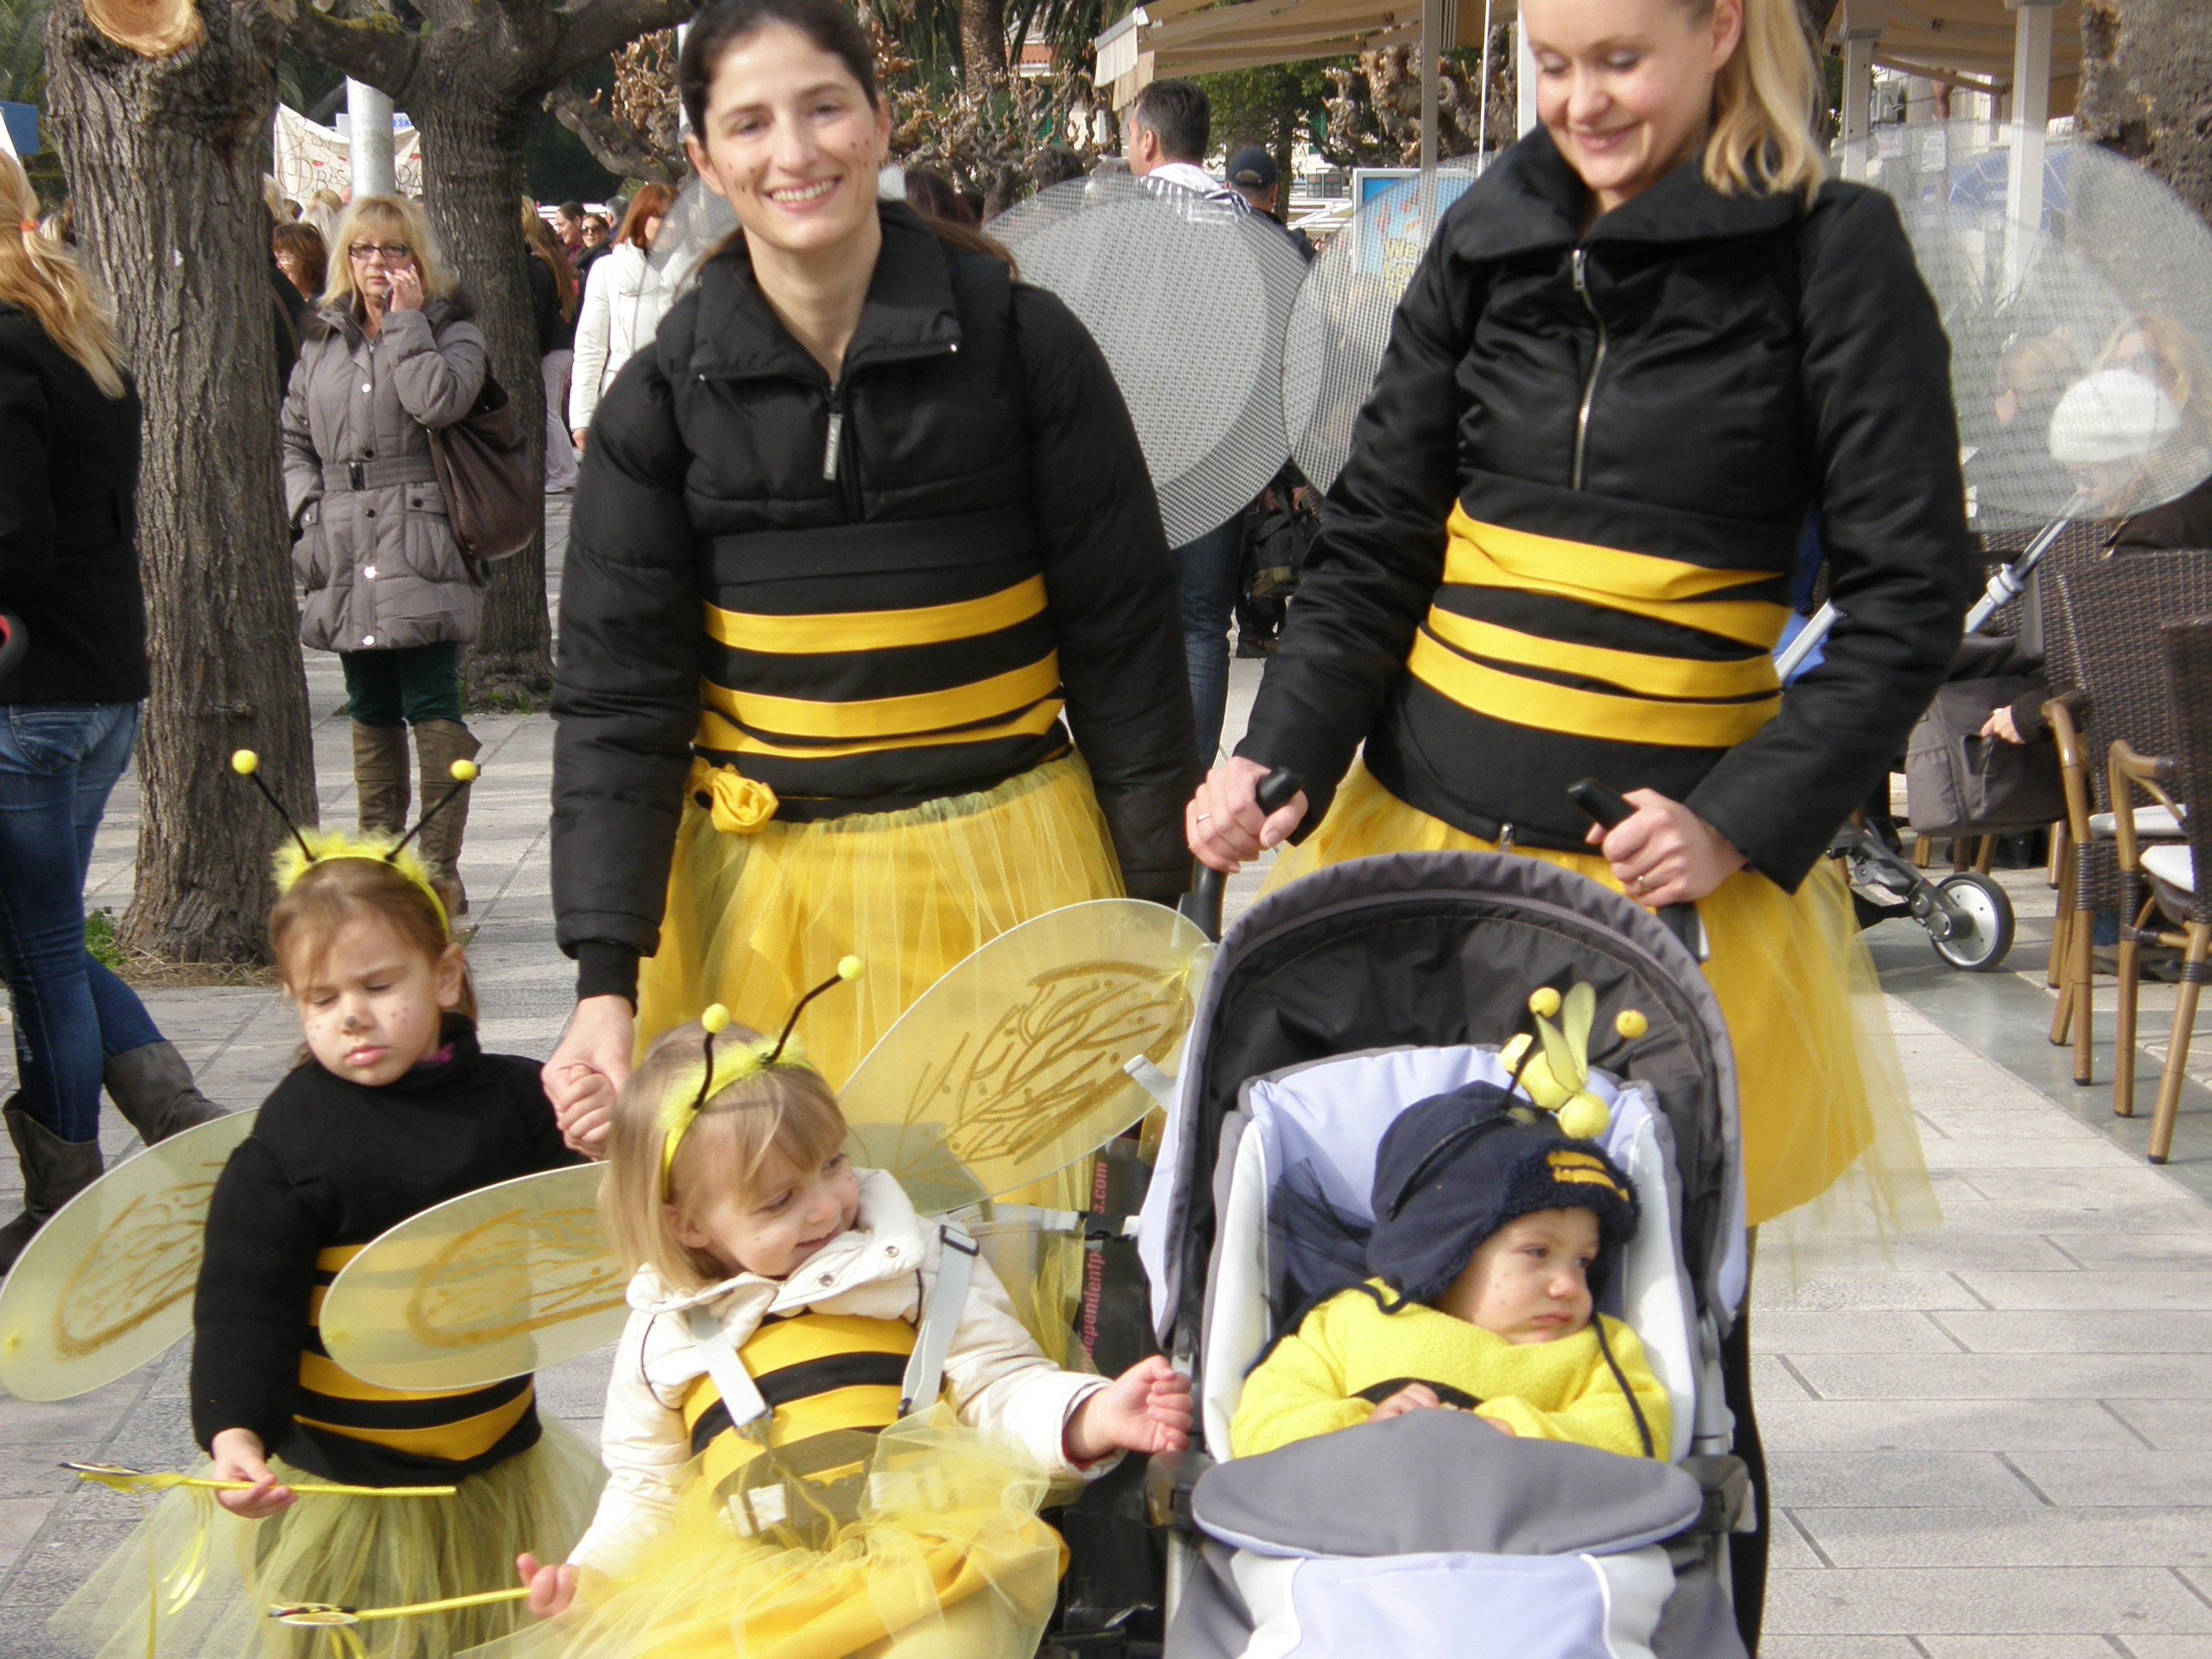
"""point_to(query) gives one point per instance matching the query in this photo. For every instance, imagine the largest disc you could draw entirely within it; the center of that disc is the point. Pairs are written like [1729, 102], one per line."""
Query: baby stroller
[1333, 1005]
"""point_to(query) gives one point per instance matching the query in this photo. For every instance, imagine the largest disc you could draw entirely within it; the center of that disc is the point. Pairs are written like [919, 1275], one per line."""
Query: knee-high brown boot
[379, 777]
[438, 744]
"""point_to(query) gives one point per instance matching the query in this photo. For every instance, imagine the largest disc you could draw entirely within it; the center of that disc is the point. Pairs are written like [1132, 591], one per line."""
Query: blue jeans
[58, 763]
[1206, 573]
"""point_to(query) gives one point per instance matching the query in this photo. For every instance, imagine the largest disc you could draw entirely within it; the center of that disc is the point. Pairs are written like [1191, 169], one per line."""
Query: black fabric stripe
[1582, 515]
[407, 1414]
[828, 1374]
[715, 1420]
[891, 780]
[863, 676]
[1475, 773]
[1552, 617]
[877, 549]
[794, 595]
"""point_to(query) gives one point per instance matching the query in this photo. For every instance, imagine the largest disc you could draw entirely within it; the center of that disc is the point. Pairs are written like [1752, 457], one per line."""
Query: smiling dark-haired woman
[868, 632]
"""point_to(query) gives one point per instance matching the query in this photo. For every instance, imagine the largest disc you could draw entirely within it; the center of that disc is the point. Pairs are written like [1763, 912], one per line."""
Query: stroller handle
[1608, 808]
[1202, 905]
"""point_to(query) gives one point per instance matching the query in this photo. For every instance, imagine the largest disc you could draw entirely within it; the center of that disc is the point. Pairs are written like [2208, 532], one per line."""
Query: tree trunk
[983, 42]
[164, 164]
[473, 183]
[2147, 88]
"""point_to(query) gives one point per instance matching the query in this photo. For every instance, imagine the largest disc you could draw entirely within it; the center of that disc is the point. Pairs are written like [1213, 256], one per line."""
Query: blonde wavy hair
[41, 277]
[766, 1127]
[385, 218]
[1761, 142]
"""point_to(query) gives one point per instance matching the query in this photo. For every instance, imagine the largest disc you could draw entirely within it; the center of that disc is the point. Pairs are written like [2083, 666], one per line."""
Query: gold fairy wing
[1016, 1063]
[107, 1284]
[493, 1285]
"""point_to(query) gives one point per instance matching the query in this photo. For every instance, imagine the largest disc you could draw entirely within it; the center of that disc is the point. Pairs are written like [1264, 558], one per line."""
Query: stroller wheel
[1980, 948]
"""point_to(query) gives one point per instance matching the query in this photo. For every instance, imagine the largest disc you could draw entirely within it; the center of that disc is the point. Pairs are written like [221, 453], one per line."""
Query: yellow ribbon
[738, 804]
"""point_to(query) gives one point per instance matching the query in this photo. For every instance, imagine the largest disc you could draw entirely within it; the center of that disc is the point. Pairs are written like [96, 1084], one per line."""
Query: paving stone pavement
[1995, 1444]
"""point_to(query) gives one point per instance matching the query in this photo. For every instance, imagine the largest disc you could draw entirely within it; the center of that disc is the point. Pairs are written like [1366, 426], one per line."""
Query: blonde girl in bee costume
[783, 1482]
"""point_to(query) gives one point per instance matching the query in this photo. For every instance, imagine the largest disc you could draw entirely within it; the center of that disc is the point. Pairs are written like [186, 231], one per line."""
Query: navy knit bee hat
[1457, 1167]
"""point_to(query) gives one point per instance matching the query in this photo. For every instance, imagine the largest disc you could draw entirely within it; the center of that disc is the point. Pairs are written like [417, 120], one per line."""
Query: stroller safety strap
[741, 1396]
[940, 1317]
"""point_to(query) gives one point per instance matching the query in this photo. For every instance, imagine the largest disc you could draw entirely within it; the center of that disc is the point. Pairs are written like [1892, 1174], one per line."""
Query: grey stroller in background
[1335, 1004]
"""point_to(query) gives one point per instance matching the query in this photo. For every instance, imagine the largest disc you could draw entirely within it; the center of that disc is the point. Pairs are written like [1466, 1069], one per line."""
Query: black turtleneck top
[330, 1165]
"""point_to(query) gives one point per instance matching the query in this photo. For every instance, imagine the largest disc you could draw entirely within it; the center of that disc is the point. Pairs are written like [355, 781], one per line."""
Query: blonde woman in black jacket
[69, 718]
[1636, 353]
[869, 641]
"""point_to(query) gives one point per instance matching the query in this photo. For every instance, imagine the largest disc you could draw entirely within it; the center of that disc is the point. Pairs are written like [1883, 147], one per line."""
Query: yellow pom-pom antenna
[851, 968]
[716, 1019]
[1631, 1024]
[1543, 1002]
[1585, 1118]
[463, 771]
[245, 763]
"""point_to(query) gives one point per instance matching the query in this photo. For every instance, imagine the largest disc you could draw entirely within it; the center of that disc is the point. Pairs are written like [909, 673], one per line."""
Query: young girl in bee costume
[782, 1484]
[392, 1109]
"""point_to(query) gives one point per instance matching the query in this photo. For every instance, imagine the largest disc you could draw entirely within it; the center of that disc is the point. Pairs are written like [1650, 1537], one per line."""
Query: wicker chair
[2179, 873]
[2110, 614]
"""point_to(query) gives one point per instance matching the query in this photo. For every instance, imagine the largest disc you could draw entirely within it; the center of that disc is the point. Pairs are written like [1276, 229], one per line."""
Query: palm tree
[22, 49]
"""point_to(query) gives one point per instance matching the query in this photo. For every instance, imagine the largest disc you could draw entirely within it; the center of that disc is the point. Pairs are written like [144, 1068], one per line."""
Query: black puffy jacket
[69, 524]
[1579, 486]
[867, 595]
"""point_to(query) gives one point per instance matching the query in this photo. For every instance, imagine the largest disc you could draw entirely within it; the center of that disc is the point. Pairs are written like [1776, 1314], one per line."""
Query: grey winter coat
[378, 561]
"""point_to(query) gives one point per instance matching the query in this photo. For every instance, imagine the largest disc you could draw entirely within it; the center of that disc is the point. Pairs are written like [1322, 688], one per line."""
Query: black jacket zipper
[833, 468]
[1597, 363]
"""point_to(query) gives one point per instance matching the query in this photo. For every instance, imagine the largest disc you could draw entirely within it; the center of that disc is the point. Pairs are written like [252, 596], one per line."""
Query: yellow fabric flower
[739, 805]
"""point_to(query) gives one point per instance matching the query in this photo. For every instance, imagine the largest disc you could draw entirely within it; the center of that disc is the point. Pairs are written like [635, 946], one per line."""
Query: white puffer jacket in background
[624, 300]
[1000, 1381]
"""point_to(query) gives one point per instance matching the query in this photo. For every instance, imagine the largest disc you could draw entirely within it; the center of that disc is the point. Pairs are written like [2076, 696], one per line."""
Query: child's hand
[1146, 1409]
[1413, 1397]
[588, 1114]
[238, 1455]
[551, 1588]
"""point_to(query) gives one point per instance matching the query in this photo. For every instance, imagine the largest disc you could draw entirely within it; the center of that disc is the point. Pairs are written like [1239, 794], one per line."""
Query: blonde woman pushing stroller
[1636, 353]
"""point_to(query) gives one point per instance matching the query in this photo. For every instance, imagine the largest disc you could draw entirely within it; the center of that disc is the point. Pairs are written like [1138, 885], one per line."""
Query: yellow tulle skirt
[1824, 1108]
[207, 1579]
[947, 1561]
[755, 920]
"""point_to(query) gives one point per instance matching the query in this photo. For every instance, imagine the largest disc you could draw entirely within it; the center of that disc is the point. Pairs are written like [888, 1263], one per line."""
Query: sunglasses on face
[393, 253]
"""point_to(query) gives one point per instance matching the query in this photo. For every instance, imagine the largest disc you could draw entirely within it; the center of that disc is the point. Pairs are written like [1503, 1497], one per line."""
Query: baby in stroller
[1493, 1231]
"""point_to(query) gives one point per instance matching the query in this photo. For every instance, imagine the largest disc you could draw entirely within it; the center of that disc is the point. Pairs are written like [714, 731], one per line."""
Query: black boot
[54, 1171]
[153, 1088]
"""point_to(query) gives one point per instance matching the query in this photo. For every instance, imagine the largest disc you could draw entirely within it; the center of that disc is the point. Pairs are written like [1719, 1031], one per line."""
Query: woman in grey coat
[391, 355]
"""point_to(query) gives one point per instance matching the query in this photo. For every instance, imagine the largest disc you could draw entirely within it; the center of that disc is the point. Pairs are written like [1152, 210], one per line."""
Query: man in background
[1252, 175]
[1168, 129]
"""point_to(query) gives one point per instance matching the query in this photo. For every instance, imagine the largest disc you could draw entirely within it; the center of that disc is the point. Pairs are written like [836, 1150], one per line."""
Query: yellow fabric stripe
[1519, 700]
[454, 1443]
[1481, 554]
[787, 1342]
[876, 631]
[329, 1260]
[717, 732]
[325, 1377]
[1588, 1178]
[885, 717]
[862, 1407]
[1631, 671]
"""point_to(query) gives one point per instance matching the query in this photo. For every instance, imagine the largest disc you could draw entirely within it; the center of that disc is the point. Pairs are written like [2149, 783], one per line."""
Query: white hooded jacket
[1000, 1381]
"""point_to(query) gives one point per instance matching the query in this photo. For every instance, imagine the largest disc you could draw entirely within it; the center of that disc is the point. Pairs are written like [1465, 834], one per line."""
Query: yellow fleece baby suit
[1562, 1390]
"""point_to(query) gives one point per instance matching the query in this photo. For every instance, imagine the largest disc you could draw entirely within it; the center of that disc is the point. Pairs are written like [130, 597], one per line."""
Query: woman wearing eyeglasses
[391, 353]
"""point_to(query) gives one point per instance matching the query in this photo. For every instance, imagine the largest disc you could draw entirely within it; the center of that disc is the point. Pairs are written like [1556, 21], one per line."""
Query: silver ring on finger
[1203, 816]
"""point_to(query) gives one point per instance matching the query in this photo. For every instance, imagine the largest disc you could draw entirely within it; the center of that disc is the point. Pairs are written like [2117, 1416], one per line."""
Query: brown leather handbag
[482, 461]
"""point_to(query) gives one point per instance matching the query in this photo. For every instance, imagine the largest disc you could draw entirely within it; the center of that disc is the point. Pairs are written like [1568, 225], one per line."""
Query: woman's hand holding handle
[1226, 823]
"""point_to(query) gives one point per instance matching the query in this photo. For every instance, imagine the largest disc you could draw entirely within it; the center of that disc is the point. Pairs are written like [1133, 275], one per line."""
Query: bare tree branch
[366, 41]
[595, 29]
[612, 145]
